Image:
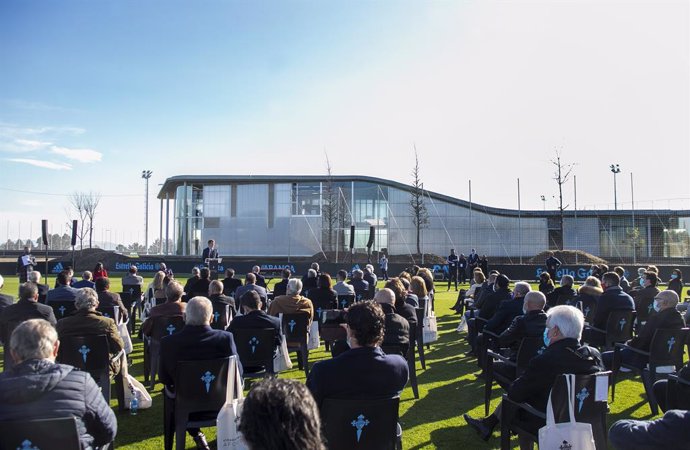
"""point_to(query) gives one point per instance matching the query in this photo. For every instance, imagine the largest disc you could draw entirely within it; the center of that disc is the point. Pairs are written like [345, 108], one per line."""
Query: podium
[212, 264]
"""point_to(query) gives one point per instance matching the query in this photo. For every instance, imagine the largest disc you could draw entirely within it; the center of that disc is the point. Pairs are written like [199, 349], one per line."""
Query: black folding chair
[200, 388]
[588, 307]
[667, 349]
[678, 393]
[162, 326]
[529, 348]
[111, 312]
[255, 348]
[566, 299]
[361, 424]
[59, 433]
[296, 333]
[587, 410]
[419, 338]
[345, 301]
[619, 327]
[131, 298]
[221, 316]
[62, 308]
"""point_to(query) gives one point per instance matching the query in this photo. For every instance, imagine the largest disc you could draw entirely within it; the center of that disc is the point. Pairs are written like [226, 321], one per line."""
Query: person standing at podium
[209, 252]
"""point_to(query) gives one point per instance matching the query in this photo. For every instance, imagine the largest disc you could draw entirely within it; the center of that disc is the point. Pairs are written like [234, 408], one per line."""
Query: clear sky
[92, 93]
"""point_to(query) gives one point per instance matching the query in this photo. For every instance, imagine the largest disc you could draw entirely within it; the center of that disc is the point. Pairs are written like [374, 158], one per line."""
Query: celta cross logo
[253, 342]
[343, 303]
[541, 350]
[622, 323]
[292, 324]
[207, 378]
[62, 310]
[84, 350]
[587, 310]
[670, 343]
[565, 446]
[216, 315]
[171, 329]
[359, 424]
[27, 445]
[581, 397]
[649, 308]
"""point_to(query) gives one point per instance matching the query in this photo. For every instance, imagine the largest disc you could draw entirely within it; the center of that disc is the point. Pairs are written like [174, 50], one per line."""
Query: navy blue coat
[612, 298]
[361, 287]
[359, 373]
[255, 319]
[670, 431]
[504, 315]
[193, 343]
[62, 293]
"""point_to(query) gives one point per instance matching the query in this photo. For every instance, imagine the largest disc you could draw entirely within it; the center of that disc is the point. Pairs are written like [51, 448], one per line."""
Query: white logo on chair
[649, 308]
[27, 445]
[343, 303]
[207, 378]
[587, 310]
[292, 324]
[106, 315]
[541, 350]
[359, 297]
[581, 397]
[622, 323]
[216, 315]
[360, 423]
[318, 312]
[84, 350]
[565, 446]
[62, 310]
[253, 342]
[670, 343]
[171, 329]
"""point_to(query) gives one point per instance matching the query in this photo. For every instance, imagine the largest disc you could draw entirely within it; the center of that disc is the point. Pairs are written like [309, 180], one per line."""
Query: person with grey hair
[37, 388]
[192, 281]
[5, 300]
[35, 278]
[260, 280]
[360, 285]
[85, 282]
[250, 285]
[215, 294]
[397, 328]
[508, 309]
[197, 341]
[86, 321]
[292, 302]
[563, 354]
[310, 281]
[173, 306]
[131, 278]
[370, 277]
[564, 291]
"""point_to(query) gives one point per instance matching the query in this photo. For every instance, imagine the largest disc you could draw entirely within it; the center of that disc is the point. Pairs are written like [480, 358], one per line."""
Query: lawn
[448, 388]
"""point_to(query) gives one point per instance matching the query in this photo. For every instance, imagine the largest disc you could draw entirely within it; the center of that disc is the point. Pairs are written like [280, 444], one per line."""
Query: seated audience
[428, 277]
[624, 283]
[250, 285]
[201, 286]
[529, 324]
[173, 307]
[215, 294]
[99, 272]
[414, 291]
[397, 329]
[563, 354]
[86, 281]
[253, 317]
[669, 432]
[63, 291]
[37, 388]
[401, 306]
[26, 308]
[564, 291]
[546, 285]
[260, 280]
[190, 285]
[35, 278]
[665, 317]
[107, 298]
[364, 371]
[281, 287]
[361, 287]
[292, 302]
[310, 281]
[638, 282]
[590, 291]
[167, 272]
[341, 287]
[613, 298]
[197, 341]
[501, 292]
[469, 296]
[322, 296]
[315, 267]
[155, 293]
[644, 297]
[69, 272]
[132, 278]
[5, 300]
[677, 398]
[295, 422]
[230, 283]
[86, 321]
[370, 278]
[676, 282]
[508, 309]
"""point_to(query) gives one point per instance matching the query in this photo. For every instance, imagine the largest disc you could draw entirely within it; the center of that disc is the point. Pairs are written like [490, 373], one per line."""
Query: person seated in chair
[530, 324]
[197, 341]
[201, 286]
[35, 278]
[665, 317]
[310, 280]
[613, 298]
[86, 321]
[280, 288]
[107, 298]
[397, 329]
[488, 308]
[250, 285]
[670, 431]
[132, 279]
[86, 281]
[63, 291]
[215, 294]
[322, 296]
[37, 388]
[254, 318]
[260, 280]
[173, 307]
[359, 284]
[190, 285]
[341, 287]
[292, 302]
[563, 354]
[230, 283]
[564, 291]
[644, 297]
[508, 309]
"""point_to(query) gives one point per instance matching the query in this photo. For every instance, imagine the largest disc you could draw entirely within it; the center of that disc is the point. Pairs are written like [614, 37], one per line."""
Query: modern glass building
[305, 215]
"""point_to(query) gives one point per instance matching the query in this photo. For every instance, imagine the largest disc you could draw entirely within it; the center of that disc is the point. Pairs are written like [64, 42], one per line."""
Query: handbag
[429, 325]
[135, 387]
[314, 341]
[228, 436]
[126, 338]
[571, 435]
[281, 359]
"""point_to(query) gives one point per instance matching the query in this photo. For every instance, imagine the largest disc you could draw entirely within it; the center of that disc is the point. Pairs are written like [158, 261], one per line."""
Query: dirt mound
[568, 257]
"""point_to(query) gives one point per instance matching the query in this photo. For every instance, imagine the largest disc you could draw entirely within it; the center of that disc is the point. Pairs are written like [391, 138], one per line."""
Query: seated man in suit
[107, 298]
[364, 371]
[86, 281]
[190, 285]
[397, 328]
[230, 283]
[215, 294]
[402, 308]
[280, 287]
[644, 297]
[310, 280]
[86, 321]
[35, 278]
[197, 341]
[260, 280]
[665, 316]
[670, 431]
[487, 309]
[361, 287]
[201, 286]
[292, 302]
[173, 307]
[613, 298]
[250, 285]
[322, 296]
[252, 318]
[5, 300]
[371, 278]
[63, 291]
[341, 287]
[564, 291]
[132, 279]
[37, 388]
[563, 354]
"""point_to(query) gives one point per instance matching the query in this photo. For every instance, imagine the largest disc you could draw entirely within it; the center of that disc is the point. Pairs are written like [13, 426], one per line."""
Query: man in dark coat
[197, 341]
[63, 291]
[552, 265]
[563, 354]
[254, 318]
[280, 288]
[529, 324]
[402, 307]
[462, 268]
[35, 277]
[562, 293]
[5, 300]
[209, 252]
[508, 309]
[613, 298]
[37, 388]
[501, 292]
[260, 280]
[452, 262]
[86, 281]
[361, 286]
[25, 264]
[190, 285]
[364, 371]
[250, 285]
[371, 278]
[230, 283]
[644, 297]
[397, 329]
[215, 294]
[670, 431]
[107, 298]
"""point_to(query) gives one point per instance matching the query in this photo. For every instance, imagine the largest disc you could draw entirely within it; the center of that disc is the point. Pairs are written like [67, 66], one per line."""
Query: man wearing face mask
[638, 283]
[612, 298]
[530, 324]
[563, 354]
[487, 308]
[644, 297]
[665, 316]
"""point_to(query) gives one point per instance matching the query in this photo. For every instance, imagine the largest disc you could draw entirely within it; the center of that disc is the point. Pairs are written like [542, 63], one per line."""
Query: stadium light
[615, 169]
[543, 199]
[146, 174]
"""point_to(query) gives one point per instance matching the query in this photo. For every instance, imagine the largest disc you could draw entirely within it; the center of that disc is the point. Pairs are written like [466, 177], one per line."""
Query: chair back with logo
[619, 326]
[667, 348]
[566, 299]
[255, 347]
[360, 424]
[295, 328]
[60, 433]
[529, 348]
[221, 316]
[162, 326]
[345, 301]
[62, 308]
[89, 354]
[111, 312]
[588, 306]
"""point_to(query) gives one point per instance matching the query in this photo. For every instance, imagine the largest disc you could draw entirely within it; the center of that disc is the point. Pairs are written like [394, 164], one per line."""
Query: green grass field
[448, 388]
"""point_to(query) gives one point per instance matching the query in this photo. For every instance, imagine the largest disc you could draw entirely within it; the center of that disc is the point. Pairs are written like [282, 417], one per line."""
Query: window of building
[306, 199]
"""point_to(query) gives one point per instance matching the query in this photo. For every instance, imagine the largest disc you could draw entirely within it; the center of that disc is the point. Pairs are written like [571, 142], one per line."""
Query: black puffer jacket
[41, 389]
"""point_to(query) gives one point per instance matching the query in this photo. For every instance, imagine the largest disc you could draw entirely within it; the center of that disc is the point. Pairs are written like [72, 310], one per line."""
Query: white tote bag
[429, 325]
[281, 359]
[571, 435]
[314, 341]
[135, 387]
[228, 436]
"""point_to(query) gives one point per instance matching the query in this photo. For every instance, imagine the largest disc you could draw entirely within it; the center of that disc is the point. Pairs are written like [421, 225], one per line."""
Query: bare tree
[77, 203]
[330, 206]
[420, 214]
[90, 206]
[561, 176]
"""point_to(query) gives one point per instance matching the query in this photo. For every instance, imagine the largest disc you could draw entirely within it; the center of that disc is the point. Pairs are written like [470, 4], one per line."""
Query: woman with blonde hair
[418, 288]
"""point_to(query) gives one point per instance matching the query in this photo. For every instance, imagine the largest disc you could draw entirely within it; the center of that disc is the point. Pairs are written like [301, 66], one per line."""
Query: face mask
[674, 276]
[657, 308]
[547, 340]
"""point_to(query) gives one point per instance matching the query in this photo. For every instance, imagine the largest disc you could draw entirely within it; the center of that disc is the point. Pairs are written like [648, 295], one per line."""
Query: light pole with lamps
[146, 174]
[615, 169]
[543, 199]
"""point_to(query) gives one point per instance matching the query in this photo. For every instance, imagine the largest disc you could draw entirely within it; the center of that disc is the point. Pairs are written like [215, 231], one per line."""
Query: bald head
[385, 295]
[666, 299]
[534, 301]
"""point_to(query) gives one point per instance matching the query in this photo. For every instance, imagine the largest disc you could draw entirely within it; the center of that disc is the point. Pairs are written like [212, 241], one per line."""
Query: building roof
[172, 183]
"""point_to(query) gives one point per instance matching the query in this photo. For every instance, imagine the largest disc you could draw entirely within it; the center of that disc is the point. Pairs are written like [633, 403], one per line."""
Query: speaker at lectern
[212, 264]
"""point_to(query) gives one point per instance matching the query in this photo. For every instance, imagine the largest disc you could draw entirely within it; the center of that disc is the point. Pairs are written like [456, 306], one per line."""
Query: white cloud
[43, 164]
[31, 145]
[84, 155]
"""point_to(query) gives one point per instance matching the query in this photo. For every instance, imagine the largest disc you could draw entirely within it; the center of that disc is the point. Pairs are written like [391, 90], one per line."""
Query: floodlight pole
[615, 169]
[146, 174]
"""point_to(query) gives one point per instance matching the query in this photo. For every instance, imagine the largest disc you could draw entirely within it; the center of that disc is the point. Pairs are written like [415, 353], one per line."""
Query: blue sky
[91, 93]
